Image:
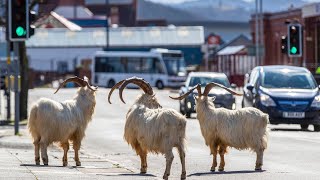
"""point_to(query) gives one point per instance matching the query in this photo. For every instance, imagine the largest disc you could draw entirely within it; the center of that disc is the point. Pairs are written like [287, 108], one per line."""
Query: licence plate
[293, 114]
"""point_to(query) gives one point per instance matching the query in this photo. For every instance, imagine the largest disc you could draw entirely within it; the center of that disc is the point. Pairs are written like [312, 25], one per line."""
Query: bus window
[157, 66]
[133, 65]
[114, 65]
[101, 64]
[146, 65]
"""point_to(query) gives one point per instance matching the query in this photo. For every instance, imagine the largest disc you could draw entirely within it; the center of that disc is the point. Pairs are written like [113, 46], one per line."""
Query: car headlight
[316, 102]
[266, 100]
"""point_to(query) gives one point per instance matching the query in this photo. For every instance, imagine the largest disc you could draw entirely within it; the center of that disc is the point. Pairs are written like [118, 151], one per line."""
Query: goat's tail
[32, 120]
[265, 136]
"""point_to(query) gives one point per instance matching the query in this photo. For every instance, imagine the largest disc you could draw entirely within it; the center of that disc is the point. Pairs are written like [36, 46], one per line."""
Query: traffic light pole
[8, 89]
[16, 90]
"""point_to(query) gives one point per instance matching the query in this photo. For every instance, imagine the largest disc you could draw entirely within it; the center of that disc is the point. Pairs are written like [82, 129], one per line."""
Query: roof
[127, 53]
[118, 2]
[229, 50]
[207, 74]
[119, 37]
[68, 24]
[279, 67]
[70, 12]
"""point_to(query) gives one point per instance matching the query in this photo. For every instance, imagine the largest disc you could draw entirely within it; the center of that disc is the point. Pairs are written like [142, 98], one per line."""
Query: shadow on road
[292, 130]
[140, 175]
[33, 165]
[225, 172]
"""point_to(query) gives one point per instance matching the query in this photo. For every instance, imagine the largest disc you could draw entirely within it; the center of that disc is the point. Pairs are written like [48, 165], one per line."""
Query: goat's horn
[198, 87]
[75, 79]
[144, 85]
[211, 85]
[113, 88]
[89, 86]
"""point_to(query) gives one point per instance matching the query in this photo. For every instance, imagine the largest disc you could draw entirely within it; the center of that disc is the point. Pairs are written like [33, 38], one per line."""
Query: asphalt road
[292, 154]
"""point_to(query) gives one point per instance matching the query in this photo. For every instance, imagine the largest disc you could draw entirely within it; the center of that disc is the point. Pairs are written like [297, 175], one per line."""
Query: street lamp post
[107, 25]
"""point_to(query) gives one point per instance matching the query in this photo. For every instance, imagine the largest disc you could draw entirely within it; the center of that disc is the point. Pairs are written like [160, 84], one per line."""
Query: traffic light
[284, 44]
[32, 18]
[18, 20]
[294, 40]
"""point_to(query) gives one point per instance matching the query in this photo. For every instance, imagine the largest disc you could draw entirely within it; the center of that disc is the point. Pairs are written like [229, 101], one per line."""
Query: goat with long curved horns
[151, 128]
[241, 129]
[51, 121]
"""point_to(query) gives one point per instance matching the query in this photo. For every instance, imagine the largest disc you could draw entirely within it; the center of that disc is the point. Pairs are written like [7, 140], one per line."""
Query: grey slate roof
[119, 37]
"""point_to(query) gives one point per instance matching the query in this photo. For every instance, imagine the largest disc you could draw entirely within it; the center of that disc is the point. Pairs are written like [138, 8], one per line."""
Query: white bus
[160, 67]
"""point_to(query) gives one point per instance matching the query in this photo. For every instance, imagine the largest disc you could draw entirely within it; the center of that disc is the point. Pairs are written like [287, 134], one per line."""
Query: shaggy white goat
[151, 128]
[241, 129]
[51, 121]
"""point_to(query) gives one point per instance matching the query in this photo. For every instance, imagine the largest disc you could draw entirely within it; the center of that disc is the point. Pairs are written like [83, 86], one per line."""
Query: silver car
[223, 98]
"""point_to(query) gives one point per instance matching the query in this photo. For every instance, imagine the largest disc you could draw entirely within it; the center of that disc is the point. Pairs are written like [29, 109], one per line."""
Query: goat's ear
[195, 97]
[212, 98]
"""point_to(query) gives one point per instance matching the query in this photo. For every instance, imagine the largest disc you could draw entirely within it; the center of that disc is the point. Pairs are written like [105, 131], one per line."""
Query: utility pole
[16, 89]
[257, 31]
[107, 24]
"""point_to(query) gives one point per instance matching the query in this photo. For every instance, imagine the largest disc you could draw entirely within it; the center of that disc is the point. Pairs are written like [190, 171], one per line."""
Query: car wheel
[304, 126]
[111, 83]
[316, 128]
[181, 110]
[188, 114]
[159, 84]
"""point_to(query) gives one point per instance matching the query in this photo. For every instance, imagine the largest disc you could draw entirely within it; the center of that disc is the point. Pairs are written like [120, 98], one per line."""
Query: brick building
[275, 26]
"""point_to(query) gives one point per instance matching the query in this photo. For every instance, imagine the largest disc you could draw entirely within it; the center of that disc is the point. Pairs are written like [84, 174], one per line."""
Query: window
[157, 66]
[62, 67]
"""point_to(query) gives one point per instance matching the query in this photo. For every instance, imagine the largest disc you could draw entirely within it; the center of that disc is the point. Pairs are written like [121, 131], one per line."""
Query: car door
[250, 91]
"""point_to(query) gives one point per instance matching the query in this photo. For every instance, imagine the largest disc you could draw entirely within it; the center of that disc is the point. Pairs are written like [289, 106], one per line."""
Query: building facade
[275, 25]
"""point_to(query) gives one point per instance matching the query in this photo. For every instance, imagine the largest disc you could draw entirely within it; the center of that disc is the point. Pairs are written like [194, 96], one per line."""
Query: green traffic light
[293, 50]
[20, 31]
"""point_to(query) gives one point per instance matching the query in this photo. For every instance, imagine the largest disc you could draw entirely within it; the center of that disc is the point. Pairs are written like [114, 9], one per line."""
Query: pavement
[17, 161]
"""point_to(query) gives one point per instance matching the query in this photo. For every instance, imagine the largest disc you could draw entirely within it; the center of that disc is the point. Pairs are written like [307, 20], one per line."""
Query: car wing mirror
[250, 87]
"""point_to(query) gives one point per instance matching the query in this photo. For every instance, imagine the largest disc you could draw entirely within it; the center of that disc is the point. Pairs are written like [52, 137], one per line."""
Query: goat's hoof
[45, 164]
[166, 176]
[143, 171]
[65, 164]
[183, 176]
[213, 169]
[78, 163]
[258, 169]
[221, 169]
[37, 162]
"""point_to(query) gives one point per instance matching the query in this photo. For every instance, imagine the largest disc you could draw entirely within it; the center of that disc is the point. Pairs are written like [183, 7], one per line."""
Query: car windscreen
[288, 80]
[205, 80]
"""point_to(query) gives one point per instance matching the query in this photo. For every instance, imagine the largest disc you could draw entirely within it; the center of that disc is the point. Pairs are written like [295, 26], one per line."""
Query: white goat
[241, 129]
[151, 128]
[51, 121]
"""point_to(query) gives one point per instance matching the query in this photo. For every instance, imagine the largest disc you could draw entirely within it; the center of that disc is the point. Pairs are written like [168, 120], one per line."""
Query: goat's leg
[222, 151]
[44, 154]
[143, 157]
[169, 159]
[76, 148]
[214, 152]
[183, 163]
[259, 161]
[65, 147]
[36, 150]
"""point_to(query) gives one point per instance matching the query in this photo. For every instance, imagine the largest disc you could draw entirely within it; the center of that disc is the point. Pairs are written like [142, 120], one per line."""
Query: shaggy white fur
[52, 121]
[241, 129]
[151, 128]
